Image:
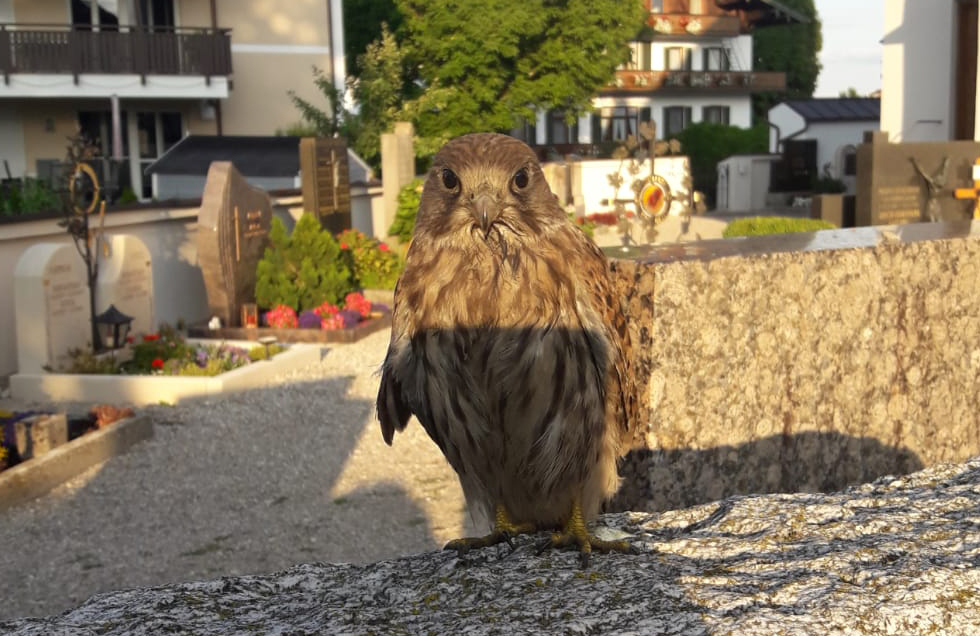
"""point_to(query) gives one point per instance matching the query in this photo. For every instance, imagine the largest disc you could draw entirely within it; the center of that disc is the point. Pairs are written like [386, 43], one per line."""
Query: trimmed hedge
[766, 225]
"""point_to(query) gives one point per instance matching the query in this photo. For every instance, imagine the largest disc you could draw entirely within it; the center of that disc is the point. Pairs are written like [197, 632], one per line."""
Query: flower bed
[158, 387]
[325, 323]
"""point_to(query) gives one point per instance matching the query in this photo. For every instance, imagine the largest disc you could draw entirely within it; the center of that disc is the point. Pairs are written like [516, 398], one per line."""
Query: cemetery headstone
[901, 183]
[51, 306]
[126, 281]
[232, 234]
[326, 181]
[51, 302]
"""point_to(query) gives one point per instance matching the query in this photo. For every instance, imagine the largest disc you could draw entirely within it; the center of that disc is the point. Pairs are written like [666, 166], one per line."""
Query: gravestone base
[39, 435]
[353, 334]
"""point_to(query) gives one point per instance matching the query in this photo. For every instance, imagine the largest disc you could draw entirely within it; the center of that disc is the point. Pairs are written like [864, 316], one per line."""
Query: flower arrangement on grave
[167, 353]
[375, 264]
[281, 317]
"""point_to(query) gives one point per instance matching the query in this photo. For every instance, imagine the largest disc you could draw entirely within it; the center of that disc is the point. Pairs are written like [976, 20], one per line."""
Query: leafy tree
[362, 26]
[483, 63]
[850, 93]
[378, 93]
[792, 49]
[707, 144]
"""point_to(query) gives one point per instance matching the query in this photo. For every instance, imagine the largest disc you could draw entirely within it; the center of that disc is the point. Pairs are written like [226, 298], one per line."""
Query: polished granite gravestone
[900, 183]
[233, 232]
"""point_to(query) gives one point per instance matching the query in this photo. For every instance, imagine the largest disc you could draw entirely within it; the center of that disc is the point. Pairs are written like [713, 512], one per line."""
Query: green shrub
[261, 352]
[302, 270]
[408, 207]
[828, 185]
[28, 196]
[375, 265]
[763, 226]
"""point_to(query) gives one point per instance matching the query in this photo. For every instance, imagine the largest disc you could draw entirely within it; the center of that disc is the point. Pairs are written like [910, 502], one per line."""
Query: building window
[716, 59]
[560, 131]
[639, 57]
[526, 132]
[618, 123]
[715, 114]
[84, 18]
[678, 58]
[850, 161]
[676, 119]
[156, 13]
[656, 6]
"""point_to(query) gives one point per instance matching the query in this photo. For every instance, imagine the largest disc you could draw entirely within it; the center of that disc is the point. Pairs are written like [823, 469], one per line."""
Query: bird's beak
[486, 209]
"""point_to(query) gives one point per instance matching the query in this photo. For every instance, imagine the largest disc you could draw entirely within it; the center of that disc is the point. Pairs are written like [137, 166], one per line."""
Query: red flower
[129, 340]
[383, 247]
[343, 246]
[157, 363]
[150, 337]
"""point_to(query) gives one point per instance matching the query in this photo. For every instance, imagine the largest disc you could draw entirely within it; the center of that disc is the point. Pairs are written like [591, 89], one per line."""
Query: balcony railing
[660, 24]
[688, 81]
[128, 50]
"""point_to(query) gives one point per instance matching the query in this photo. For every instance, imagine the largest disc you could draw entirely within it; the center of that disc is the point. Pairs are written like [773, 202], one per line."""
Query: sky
[851, 53]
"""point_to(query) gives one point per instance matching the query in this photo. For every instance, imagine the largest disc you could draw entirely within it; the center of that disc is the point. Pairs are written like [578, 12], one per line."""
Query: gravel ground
[250, 483]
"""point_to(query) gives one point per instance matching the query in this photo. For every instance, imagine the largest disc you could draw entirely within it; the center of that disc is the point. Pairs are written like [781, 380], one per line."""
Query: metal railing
[686, 81]
[46, 48]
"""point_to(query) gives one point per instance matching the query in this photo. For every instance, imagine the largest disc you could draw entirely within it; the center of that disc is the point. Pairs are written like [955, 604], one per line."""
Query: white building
[929, 70]
[824, 133]
[692, 62]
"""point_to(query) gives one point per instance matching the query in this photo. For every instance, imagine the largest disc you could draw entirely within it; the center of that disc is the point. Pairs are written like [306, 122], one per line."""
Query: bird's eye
[521, 179]
[449, 179]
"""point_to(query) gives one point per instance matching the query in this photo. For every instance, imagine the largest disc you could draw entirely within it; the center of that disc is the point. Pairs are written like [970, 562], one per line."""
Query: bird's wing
[619, 379]
[393, 410]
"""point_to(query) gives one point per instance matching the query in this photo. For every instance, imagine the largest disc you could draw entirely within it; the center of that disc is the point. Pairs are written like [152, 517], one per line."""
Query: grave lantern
[113, 327]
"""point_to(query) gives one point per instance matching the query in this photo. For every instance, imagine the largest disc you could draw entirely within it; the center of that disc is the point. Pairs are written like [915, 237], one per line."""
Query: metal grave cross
[972, 193]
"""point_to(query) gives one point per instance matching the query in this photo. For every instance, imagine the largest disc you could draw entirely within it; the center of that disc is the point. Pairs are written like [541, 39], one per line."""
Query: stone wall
[898, 556]
[802, 363]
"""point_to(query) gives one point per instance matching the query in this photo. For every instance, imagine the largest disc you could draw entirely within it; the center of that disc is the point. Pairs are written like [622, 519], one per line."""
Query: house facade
[135, 76]
[819, 137]
[691, 62]
[929, 70]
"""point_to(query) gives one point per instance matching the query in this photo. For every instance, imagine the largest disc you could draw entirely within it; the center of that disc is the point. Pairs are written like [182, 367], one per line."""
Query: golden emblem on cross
[972, 193]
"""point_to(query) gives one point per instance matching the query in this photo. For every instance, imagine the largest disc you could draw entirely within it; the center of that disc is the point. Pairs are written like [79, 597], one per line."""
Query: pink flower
[343, 246]
[383, 247]
[331, 323]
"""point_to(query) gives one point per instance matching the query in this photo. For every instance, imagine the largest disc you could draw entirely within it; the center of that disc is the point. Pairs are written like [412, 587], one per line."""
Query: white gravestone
[126, 281]
[51, 302]
[51, 306]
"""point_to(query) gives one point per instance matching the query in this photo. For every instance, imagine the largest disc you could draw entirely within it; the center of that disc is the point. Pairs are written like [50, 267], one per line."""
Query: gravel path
[245, 484]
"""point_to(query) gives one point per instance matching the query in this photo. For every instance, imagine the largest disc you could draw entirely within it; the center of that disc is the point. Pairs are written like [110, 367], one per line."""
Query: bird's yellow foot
[504, 530]
[575, 533]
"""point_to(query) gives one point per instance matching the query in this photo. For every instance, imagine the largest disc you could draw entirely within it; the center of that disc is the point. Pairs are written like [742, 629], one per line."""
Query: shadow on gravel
[236, 484]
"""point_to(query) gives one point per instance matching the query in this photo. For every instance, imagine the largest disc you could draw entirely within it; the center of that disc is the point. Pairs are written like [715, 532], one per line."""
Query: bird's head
[486, 187]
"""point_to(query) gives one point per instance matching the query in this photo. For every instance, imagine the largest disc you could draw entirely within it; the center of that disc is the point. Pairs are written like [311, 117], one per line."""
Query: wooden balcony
[683, 24]
[711, 82]
[62, 49]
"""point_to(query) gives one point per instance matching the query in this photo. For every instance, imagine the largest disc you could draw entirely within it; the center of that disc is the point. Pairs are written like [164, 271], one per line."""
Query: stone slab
[140, 390]
[898, 556]
[35, 477]
[39, 435]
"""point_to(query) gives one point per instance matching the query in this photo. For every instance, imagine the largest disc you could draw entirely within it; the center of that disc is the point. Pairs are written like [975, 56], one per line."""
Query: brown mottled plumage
[508, 342]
